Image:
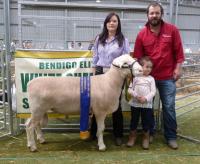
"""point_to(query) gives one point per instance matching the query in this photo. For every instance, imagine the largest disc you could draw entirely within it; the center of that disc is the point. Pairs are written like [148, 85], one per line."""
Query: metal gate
[6, 114]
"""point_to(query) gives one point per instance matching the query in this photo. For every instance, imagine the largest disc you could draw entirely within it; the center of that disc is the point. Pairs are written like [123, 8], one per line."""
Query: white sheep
[62, 95]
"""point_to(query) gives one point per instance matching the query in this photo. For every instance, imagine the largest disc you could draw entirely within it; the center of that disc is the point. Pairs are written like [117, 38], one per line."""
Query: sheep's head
[126, 61]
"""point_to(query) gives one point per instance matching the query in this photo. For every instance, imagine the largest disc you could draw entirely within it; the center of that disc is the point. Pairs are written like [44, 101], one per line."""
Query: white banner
[32, 64]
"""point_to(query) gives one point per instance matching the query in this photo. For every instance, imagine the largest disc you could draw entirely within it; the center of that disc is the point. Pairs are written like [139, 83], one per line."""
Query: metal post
[74, 39]
[122, 12]
[66, 28]
[8, 58]
[176, 15]
[171, 9]
[19, 24]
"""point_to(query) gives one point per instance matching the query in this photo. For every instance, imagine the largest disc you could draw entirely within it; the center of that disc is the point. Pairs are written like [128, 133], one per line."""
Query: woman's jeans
[167, 91]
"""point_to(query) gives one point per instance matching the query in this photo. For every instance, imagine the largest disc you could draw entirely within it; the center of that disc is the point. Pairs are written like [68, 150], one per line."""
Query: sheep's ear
[118, 63]
[125, 65]
[123, 61]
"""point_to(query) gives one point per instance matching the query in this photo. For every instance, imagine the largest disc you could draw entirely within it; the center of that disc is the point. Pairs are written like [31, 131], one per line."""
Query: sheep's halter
[127, 66]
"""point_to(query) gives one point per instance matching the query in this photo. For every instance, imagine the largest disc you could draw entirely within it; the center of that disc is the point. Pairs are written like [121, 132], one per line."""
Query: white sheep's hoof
[33, 149]
[102, 148]
[28, 145]
[42, 141]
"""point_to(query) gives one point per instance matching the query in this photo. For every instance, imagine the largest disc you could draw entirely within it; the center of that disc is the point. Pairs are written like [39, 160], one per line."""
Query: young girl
[142, 90]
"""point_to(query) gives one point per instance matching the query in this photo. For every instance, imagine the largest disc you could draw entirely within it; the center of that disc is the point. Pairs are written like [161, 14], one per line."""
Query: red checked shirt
[164, 49]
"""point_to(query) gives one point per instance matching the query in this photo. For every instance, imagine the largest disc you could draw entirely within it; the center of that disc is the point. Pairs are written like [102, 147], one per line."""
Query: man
[72, 46]
[162, 43]
[80, 47]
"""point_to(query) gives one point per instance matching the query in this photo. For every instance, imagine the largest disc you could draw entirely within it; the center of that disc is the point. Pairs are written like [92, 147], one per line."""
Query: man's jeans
[167, 91]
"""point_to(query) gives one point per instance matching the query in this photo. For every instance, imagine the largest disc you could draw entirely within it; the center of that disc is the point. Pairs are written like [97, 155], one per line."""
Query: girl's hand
[142, 100]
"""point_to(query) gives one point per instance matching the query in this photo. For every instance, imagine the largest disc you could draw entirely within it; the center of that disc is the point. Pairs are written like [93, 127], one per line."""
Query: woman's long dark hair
[104, 34]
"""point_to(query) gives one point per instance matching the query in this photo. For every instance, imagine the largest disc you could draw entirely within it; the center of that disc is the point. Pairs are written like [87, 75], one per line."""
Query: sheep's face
[137, 69]
[126, 61]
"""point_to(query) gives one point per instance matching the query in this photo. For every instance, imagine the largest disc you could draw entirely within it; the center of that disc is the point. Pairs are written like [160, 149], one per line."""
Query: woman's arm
[126, 48]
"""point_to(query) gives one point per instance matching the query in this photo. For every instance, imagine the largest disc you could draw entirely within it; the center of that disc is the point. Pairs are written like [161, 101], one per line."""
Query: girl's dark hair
[104, 34]
[154, 4]
[144, 59]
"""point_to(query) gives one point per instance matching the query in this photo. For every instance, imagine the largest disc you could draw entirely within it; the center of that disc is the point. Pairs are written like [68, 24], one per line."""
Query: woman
[109, 45]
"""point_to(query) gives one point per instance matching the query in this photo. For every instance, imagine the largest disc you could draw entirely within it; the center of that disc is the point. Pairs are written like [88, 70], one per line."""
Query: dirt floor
[68, 148]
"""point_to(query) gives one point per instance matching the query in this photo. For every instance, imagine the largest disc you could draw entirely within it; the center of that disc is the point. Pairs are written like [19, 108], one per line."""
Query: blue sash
[85, 106]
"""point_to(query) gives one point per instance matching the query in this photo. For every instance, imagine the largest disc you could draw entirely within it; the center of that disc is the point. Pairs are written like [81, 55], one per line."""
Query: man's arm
[179, 54]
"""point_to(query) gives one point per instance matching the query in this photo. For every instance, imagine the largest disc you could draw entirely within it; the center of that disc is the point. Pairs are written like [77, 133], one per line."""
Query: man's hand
[177, 72]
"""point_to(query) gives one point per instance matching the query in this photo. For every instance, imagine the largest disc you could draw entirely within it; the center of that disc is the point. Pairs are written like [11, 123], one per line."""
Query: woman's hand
[93, 70]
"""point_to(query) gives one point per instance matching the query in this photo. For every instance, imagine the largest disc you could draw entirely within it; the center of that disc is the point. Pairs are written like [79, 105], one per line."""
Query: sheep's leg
[39, 134]
[38, 131]
[100, 129]
[30, 135]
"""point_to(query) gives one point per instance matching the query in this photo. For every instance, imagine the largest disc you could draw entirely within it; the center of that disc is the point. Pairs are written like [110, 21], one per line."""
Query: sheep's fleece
[62, 95]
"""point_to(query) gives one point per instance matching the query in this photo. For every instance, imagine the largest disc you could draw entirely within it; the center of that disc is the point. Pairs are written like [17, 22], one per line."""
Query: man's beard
[155, 22]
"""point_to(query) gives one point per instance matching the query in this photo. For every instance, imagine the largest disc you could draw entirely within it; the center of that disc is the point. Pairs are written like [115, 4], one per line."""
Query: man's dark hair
[154, 4]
